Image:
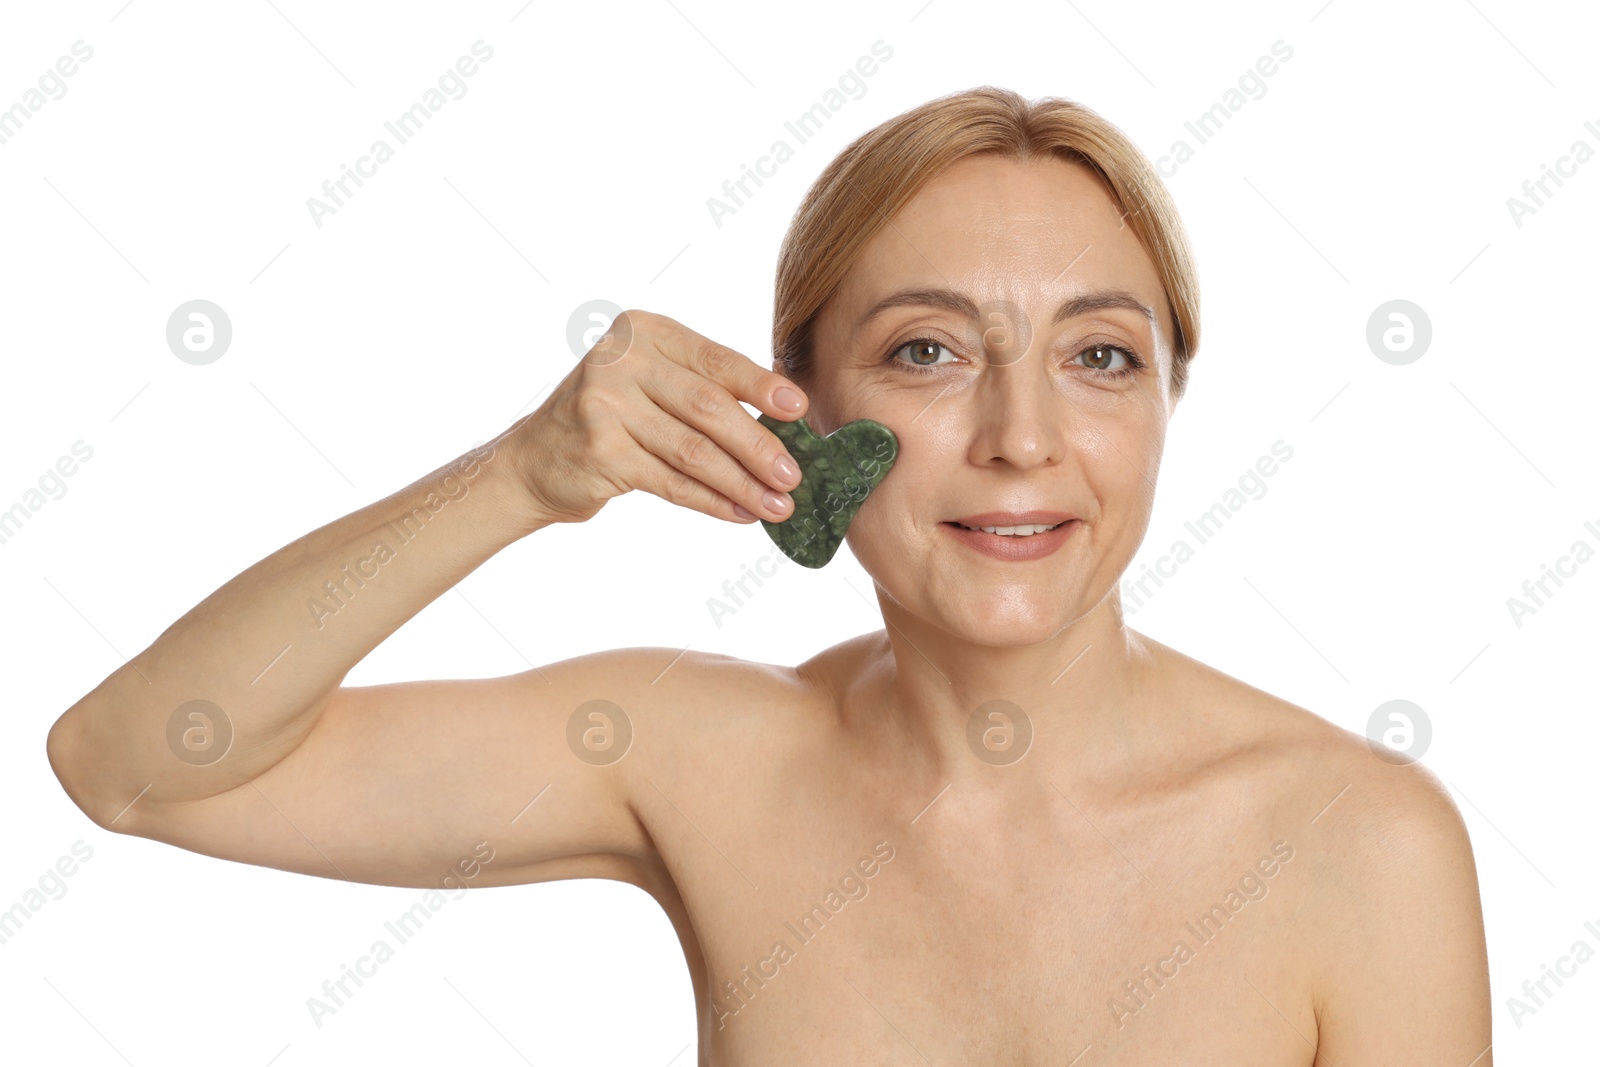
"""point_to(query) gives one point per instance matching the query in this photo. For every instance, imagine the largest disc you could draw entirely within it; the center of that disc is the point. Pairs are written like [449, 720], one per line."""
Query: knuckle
[593, 405]
[695, 450]
[704, 399]
[715, 361]
[605, 446]
[632, 325]
[658, 328]
[678, 487]
[666, 323]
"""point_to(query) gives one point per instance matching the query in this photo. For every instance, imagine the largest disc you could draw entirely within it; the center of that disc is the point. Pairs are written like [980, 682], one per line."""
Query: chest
[833, 921]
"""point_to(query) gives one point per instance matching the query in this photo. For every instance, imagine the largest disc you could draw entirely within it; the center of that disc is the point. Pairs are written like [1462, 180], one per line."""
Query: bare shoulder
[1355, 788]
[1395, 903]
[677, 697]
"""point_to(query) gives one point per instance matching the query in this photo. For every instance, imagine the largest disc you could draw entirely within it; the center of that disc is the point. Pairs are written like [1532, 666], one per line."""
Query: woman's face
[946, 331]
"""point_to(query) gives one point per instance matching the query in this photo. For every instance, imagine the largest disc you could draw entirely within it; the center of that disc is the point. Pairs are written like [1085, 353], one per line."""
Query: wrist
[494, 469]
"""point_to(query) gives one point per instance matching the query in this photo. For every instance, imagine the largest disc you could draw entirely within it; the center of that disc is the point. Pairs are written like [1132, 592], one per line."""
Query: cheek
[892, 510]
[1121, 460]
[1145, 443]
[929, 448]
[828, 411]
[1131, 433]
[885, 511]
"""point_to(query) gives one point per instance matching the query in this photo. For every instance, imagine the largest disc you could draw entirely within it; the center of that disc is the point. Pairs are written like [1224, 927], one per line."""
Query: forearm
[273, 644]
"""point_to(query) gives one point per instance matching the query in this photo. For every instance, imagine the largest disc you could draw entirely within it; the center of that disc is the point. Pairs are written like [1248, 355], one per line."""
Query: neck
[960, 711]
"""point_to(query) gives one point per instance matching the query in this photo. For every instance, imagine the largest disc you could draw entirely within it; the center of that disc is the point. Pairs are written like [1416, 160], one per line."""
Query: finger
[699, 457]
[710, 408]
[654, 475]
[738, 374]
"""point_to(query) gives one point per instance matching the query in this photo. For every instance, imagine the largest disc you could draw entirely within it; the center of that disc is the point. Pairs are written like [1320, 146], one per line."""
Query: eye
[924, 354]
[1101, 355]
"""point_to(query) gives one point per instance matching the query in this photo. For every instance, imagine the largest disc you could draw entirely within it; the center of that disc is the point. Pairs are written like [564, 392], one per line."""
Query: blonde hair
[884, 168]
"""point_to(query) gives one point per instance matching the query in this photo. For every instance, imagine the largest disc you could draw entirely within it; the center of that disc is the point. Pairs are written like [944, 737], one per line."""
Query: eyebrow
[951, 300]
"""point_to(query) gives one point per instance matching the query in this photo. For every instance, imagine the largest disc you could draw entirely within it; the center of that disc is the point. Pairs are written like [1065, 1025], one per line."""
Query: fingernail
[786, 469]
[786, 398]
[741, 512]
[775, 501]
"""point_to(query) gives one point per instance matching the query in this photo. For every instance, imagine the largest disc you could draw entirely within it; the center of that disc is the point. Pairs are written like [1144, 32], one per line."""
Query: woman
[1006, 828]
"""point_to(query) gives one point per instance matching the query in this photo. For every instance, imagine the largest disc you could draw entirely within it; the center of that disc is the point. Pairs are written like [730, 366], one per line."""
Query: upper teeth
[1024, 530]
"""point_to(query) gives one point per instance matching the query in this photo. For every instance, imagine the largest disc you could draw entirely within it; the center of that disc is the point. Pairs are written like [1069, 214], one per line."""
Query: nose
[1021, 417]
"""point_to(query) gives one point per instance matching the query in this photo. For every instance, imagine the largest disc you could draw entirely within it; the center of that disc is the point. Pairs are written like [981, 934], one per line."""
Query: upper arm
[408, 783]
[1405, 977]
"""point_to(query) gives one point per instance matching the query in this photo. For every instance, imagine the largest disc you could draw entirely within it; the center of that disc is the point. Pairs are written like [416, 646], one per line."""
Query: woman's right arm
[232, 735]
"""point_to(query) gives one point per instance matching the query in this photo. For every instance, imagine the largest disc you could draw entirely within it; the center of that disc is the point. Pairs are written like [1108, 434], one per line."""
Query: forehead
[995, 227]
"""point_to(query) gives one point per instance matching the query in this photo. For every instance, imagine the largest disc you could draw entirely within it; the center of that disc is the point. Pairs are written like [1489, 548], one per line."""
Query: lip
[1014, 518]
[1011, 548]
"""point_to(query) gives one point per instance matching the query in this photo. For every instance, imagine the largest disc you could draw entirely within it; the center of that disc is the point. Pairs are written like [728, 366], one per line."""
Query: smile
[1012, 531]
[1013, 543]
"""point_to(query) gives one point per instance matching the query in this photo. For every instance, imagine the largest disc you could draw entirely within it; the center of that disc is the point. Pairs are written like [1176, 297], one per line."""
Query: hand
[655, 406]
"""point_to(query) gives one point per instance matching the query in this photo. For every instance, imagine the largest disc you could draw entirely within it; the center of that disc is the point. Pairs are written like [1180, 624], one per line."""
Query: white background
[432, 309]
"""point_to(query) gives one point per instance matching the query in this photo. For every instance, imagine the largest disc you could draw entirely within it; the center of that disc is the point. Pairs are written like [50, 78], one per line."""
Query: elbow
[64, 749]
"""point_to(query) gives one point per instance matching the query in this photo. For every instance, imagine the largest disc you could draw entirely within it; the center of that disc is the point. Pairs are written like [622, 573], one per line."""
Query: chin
[997, 616]
[1005, 622]
[1004, 634]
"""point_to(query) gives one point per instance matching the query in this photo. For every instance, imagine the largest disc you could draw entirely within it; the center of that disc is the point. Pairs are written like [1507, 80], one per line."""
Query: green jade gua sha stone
[836, 474]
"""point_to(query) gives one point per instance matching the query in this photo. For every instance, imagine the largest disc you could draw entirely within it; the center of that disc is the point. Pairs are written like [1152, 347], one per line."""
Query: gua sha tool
[836, 474]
